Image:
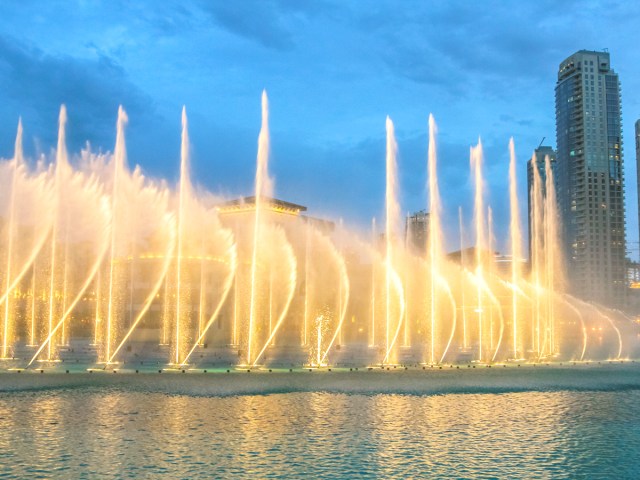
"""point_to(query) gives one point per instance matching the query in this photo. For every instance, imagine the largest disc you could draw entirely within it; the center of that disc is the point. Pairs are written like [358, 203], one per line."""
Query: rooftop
[249, 203]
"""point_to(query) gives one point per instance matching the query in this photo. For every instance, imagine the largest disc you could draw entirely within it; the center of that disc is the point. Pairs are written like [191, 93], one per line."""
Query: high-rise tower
[590, 176]
[638, 168]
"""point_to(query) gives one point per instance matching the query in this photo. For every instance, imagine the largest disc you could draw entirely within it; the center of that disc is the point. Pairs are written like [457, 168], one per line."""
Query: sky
[333, 71]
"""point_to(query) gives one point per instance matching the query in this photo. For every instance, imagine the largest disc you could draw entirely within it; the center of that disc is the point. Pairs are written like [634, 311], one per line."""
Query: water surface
[513, 424]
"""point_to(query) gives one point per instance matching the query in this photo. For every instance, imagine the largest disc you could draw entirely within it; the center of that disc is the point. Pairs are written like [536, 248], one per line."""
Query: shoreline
[413, 381]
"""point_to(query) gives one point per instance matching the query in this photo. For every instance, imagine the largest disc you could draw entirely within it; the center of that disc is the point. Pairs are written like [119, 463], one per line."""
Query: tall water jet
[495, 341]
[372, 332]
[32, 329]
[203, 283]
[553, 264]
[203, 267]
[119, 160]
[435, 234]
[65, 278]
[263, 188]
[307, 253]
[60, 173]
[320, 323]
[7, 323]
[405, 280]
[341, 285]
[537, 249]
[516, 247]
[184, 192]
[481, 243]
[166, 324]
[393, 319]
[465, 342]
[490, 267]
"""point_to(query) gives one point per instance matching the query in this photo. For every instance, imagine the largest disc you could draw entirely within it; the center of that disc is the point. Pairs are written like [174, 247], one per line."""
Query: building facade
[416, 232]
[590, 176]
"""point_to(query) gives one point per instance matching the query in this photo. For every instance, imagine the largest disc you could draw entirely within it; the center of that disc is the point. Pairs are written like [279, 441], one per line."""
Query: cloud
[36, 84]
[270, 23]
[259, 21]
[467, 48]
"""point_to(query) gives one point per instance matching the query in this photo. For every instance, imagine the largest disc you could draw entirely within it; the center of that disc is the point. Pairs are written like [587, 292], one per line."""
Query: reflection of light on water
[198, 423]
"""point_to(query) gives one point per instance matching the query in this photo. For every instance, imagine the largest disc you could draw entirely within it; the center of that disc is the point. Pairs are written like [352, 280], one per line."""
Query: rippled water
[108, 429]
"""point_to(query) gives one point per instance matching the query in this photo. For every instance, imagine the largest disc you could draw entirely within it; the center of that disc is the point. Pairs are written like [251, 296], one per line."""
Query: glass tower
[590, 176]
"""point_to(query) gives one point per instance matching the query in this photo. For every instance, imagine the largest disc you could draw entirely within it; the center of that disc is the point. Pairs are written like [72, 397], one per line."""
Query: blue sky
[333, 70]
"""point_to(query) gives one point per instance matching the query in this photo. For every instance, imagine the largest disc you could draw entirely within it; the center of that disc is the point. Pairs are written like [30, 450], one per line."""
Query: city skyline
[328, 111]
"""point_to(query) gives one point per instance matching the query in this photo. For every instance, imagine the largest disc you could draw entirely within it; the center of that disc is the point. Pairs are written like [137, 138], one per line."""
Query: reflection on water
[102, 432]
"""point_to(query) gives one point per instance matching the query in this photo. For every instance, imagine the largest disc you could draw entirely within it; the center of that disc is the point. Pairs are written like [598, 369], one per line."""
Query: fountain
[112, 267]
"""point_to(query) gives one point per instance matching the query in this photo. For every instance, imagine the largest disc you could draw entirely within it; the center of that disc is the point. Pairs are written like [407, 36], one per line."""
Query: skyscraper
[638, 168]
[541, 153]
[590, 176]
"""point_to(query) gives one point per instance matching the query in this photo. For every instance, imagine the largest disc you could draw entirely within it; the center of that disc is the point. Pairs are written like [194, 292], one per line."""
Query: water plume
[578, 313]
[263, 189]
[233, 266]
[372, 330]
[393, 317]
[343, 302]
[481, 241]
[516, 246]
[118, 167]
[7, 323]
[435, 233]
[290, 265]
[536, 203]
[552, 248]
[465, 342]
[184, 191]
[444, 285]
[150, 297]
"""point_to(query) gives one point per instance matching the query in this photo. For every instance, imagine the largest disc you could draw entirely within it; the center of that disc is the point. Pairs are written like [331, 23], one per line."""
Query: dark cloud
[36, 84]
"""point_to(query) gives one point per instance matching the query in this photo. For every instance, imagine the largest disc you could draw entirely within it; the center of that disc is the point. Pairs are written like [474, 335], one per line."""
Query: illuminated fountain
[99, 262]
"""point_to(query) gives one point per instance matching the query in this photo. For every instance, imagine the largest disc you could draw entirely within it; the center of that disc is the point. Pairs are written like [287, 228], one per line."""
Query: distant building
[540, 153]
[590, 176]
[416, 231]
